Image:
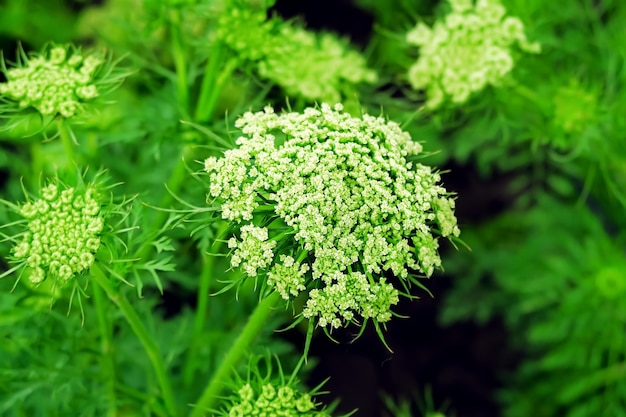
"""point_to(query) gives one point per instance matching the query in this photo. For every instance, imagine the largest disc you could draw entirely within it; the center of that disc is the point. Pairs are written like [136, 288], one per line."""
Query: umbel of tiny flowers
[62, 234]
[58, 81]
[575, 107]
[314, 66]
[272, 400]
[466, 51]
[270, 395]
[329, 205]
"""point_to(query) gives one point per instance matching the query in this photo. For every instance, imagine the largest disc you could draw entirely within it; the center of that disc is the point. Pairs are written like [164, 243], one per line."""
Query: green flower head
[466, 51]
[68, 233]
[267, 392]
[63, 233]
[314, 66]
[58, 81]
[330, 205]
[575, 107]
[258, 398]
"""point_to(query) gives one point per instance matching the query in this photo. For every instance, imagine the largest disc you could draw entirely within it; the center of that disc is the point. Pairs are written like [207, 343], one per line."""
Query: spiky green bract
[62, 230]
[314, 66]
[466, 51]
[266, 394]
[405, 406]
[328, 203]
[58, 81]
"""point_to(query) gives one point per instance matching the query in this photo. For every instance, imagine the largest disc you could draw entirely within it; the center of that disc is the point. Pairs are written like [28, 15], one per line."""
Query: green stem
[253, 327]
[108, 368]
[92, 145]
[178, 52]
[179, 175]
[36, 162]
[208, 82]
[208, 264]
[215, 76]
[66, 139]
[150, 346]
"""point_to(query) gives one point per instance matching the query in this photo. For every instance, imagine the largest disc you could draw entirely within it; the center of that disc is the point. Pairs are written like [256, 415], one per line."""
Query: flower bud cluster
[468, 50]
[315, 66]
[63, 233]
[270, 400]
[55, 83]
[575, 108]
[353, 208]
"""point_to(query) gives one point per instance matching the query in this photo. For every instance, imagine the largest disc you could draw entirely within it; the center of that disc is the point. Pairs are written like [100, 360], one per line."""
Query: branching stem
[253, 327]
[149, 344]
[106, 334]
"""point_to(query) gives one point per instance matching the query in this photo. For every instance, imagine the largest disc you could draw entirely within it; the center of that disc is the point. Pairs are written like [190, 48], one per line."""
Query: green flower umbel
[59, 81]
[575, 107]
[465, 52]
[63, 234]
[272, 400]
[330, 205]
[314, 66]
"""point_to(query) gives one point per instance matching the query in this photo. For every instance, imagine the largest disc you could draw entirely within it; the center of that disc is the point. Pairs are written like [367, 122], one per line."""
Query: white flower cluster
[288, 277]
[351, 206]
[468, 50]
[345, 294]
[63, 234]
[254, 251]
[56, 84]
[315, 66]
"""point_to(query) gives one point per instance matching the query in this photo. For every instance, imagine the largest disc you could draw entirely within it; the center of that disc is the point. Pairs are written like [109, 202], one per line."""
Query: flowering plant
[371, 216]
[245, 208]
[57, 81]
[466, 51]
[313, 66]
[329, 202]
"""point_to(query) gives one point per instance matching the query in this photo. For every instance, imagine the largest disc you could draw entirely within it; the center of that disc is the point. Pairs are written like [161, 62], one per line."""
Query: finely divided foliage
[330, 202]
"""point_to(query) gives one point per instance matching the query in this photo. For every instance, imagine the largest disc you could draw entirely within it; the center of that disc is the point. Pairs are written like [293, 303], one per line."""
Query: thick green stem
[180, 61]
[253, 327]
[106, 334]
[208, 83]
[215, 76]
[36, 162]
[66, 139]
[150, 346]
[216, 72]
